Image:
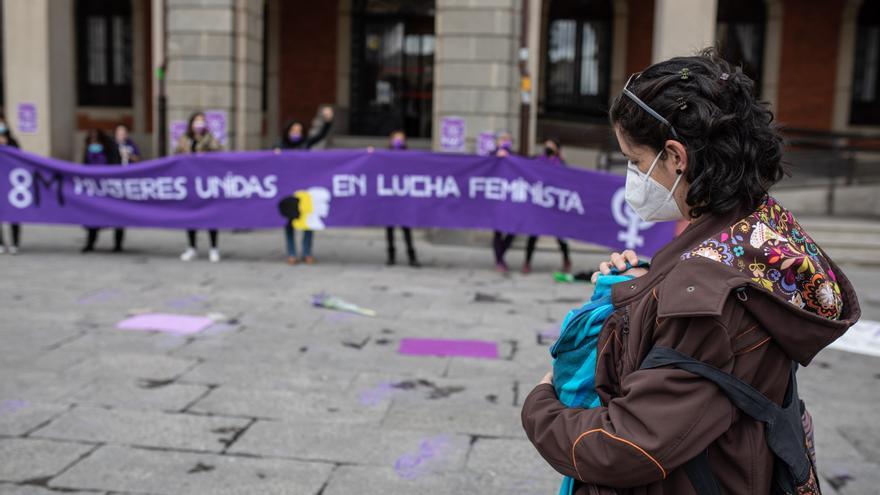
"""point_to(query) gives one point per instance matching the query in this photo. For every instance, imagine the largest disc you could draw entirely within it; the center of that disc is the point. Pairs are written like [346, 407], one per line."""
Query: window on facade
[578, 58]
[392, 79]
[865, 108]
[104, 69]
[740, 35]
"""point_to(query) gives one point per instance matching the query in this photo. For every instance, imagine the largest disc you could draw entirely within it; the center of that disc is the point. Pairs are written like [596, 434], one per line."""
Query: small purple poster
[486, 143]
[452, 134]
[217, 124]
[27, 118]
[176, 129]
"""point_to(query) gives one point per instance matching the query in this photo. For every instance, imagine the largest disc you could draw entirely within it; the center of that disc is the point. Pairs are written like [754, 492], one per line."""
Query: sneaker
[189, 255]
[13, 250]
[309, 260]
[87, 249]
[526, 269]
[291, 260]
[501, 267]
[214, 255]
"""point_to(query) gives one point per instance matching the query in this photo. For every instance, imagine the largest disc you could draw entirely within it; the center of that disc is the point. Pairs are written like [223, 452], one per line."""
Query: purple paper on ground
[443, 347]
[162, 322]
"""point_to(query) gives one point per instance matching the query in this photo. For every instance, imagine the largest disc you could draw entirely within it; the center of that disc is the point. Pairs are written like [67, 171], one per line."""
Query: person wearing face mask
[552, 156]
[199, 139]
[293, 137]
[502, 241]
[6, 139]
[100, 150]
[126, 149]
[697, 358]
[397, 142]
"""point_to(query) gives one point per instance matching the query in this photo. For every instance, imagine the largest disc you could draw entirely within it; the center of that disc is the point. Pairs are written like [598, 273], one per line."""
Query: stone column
[215, 63]
[476, 73]
[39, 73]
[683, 27]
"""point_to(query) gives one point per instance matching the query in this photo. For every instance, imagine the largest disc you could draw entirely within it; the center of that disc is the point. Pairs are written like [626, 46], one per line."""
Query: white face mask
[648, 198]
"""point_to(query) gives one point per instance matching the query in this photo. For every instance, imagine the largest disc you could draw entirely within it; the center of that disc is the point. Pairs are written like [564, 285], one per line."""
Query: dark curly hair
[734, 148]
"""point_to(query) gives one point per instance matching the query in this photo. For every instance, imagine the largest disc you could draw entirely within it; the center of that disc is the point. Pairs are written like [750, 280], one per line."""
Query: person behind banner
[501, 241]
[293, 137]
[552, 156]
[6, 139]
[198, 139]
[740, 299]
[126, 149]
[397, 142]
[100, 150]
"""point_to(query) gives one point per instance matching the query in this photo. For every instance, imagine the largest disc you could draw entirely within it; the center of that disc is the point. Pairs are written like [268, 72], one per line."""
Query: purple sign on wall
[452, 134]
[27, 118]
[217, 124]
[176, 129]
[486, 143]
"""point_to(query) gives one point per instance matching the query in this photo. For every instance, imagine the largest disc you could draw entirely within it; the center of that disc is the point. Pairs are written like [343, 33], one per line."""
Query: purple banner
[328, 189]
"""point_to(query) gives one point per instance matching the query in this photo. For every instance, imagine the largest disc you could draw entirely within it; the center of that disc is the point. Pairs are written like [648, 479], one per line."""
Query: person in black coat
[6, 139]
[397, 141]
[294, 137]
[100, 150]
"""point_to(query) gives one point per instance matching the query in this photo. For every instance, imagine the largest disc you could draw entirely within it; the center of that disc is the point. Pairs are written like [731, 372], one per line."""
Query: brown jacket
[746, 292]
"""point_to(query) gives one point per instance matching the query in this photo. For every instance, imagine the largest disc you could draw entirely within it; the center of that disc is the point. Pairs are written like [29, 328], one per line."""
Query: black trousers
[533, 240]
[212, 235]
[501, 242]
[92, 238]
[16, 233]
[407, 237]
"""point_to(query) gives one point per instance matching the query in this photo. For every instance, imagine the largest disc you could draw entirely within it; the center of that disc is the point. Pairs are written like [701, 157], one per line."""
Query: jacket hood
[794, 290]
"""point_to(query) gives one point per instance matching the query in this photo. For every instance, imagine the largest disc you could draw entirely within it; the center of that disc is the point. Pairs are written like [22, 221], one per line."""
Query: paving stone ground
[280, 397]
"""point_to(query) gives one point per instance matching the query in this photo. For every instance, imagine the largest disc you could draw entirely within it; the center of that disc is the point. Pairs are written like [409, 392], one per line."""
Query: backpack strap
[700, 473]
[783, 425]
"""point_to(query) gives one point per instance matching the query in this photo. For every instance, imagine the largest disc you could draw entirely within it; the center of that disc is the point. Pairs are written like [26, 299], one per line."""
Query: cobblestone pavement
[280, 397]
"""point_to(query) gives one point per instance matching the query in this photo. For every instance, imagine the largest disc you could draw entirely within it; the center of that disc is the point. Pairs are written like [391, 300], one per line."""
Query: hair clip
[725, 76]
[685, 74]
[682, 103]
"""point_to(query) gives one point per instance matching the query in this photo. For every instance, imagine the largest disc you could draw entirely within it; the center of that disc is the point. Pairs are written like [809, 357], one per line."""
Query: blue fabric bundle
[574, 353]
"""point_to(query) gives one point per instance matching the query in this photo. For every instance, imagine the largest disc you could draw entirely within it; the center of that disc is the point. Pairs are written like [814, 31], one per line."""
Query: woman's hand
[619, 261]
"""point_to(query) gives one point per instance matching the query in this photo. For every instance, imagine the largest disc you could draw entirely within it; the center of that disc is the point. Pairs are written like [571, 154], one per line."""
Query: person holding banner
[6, 139]
[293, 137]
[100, 150]
[126, 149]
[695, 364]
[198, 139]
[501, 241]
[398, 143]
[552, 156]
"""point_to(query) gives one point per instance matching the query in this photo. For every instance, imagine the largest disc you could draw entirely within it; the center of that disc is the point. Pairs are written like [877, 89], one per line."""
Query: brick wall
[308, 59]
[808, 65]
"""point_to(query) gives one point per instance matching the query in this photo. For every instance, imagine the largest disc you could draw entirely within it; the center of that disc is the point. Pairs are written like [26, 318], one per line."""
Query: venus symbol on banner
[626, 217]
